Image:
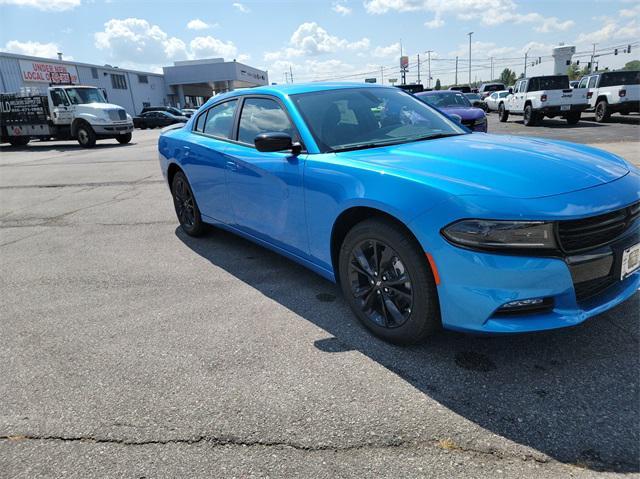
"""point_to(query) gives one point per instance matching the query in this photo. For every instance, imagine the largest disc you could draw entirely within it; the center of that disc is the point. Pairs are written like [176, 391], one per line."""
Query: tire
[503, 114]
[124, 139]
[19, 140]
[530, 117]
[400, 313]
[602, 111]
[573, 118]
[86, 136]
[185, 205]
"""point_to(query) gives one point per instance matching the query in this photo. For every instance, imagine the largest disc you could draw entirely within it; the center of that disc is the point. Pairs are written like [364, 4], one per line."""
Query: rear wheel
[387, 282]
[503, 114]
[602, 111]
[573, 118]
[123, 139]
[185, 205]
[530, 117]
[86, 136]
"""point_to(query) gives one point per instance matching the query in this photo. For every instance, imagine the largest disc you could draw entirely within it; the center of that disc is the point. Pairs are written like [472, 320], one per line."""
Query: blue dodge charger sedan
[422, 223]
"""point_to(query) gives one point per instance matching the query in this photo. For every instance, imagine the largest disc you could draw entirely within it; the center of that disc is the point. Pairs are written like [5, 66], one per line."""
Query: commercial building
[187, 83]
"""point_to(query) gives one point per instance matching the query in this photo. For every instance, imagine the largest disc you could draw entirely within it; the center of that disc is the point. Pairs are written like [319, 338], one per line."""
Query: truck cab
[549, 96]
[65, 112]
[612, 92]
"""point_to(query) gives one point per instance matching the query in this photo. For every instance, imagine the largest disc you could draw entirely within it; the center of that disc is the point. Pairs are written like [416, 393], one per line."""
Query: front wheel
[185, 205]
[503, 114]
[124, 139]
[86, 136]
[573, 118]
[386, 279]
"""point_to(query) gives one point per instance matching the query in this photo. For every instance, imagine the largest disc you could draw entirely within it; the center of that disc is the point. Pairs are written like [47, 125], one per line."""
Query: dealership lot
[131, 349]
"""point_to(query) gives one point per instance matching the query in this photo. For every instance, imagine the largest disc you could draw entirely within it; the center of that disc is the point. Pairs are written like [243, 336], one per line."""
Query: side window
[583, 83]
[200, 122]
[262, 115]
[58, 98]
[494, 96]
[592, 81]
[220, 119]
[533, 85]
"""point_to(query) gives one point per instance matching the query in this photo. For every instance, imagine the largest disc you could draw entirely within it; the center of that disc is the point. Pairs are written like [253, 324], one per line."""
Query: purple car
[455, 103]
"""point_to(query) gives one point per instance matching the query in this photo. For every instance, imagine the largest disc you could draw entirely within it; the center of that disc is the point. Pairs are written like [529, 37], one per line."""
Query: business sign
[41, 72]
[370, 80]
[404, 62]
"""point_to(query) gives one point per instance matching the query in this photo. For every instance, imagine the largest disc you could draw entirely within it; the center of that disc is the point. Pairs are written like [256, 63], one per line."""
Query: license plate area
[565, 107]
[630, 261]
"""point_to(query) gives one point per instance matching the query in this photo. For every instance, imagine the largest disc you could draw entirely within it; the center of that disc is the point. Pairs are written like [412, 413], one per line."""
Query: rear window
[493, 87]
[620, 78]
[560, 82]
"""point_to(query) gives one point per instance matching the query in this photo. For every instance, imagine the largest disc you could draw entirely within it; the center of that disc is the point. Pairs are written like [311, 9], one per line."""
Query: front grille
[116, 115]
[586, 233]
[468, 122]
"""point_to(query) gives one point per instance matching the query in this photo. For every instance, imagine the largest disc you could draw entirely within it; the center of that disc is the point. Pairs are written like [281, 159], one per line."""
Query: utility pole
[525, 62]
[470, 33]
[291, 73]
[382, 75]
[491, 69]
[593, 55]
[418, 68]
[429, 64]
[456, 82]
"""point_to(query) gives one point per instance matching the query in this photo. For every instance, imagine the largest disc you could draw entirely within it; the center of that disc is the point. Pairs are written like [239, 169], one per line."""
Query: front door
[60, 107]
[266, 189]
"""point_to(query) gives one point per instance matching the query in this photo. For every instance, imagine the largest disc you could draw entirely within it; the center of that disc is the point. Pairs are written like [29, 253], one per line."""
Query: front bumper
[113, 129]
[475, 285]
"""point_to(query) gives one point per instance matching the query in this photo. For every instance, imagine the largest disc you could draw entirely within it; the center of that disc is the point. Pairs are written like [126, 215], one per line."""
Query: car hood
[99, 106]
[509, 166]
[465, 112]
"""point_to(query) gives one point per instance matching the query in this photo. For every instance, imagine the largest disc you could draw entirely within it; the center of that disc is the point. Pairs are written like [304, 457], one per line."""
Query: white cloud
[241, 8]
[389, 51]
[489, 49]
[34, 49]
[611, 30]
[47, 5]
[437, 22]
[630, 12]
[205, 47]
[341, 9]
[552, 24]
[197, 24]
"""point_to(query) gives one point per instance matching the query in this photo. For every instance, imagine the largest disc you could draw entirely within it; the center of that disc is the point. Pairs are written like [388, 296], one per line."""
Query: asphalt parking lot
[132, 350]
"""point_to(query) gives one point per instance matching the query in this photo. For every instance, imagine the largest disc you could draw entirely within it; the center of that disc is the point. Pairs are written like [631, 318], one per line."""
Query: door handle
[232, 165]
[187, 150]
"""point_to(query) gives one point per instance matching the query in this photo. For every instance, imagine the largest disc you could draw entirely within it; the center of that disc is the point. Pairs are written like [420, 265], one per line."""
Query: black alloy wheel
[381, 284]
[185, 205]
[387, 281]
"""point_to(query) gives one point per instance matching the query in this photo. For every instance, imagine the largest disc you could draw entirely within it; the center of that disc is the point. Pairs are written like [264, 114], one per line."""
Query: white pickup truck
[612, 92]
[549, 96]
[65, 112]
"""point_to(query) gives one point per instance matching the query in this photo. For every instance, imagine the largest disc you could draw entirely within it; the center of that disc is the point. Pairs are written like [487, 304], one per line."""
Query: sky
[322, 40]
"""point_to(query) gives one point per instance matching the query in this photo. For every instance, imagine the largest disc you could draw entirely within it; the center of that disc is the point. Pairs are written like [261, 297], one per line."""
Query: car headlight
[129, 118]
[497, 234]
[480, 121]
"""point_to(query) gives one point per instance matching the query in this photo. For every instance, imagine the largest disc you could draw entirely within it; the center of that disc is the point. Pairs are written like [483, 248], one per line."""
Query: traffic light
[615, 51]
[577, 62]
[589, 65]
[628, 48]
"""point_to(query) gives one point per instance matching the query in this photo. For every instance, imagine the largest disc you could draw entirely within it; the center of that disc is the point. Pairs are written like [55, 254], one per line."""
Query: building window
[118, 82]
[143, 79]
[94, 73]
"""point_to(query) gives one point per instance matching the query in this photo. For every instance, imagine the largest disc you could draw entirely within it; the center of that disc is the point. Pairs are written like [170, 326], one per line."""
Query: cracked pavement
[131, 350]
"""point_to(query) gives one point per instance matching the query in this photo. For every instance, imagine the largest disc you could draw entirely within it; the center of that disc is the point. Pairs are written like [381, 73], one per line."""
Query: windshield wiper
[364, 146]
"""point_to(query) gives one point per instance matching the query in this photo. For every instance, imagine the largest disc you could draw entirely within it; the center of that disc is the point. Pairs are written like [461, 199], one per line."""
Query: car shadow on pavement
[571, 394]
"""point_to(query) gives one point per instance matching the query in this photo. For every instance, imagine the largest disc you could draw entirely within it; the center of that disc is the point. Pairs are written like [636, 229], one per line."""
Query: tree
[574, 72]
[438, 85]
[632, 65]
[508, 77]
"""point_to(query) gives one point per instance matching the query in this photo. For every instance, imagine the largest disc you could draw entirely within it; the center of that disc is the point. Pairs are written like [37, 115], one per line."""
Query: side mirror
[511, 90]
[272, 142]
[456, 118]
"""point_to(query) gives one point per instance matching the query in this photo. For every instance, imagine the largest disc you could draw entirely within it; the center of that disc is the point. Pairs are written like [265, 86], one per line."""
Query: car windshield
[355, 118]
[79, 96]
[446, 99]
[620, 78]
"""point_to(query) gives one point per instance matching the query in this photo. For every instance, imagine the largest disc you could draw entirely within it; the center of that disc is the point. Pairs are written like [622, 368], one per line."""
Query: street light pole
[470, 33]
[525, 62]
[429, 68]
[418, 69]
[456, 70]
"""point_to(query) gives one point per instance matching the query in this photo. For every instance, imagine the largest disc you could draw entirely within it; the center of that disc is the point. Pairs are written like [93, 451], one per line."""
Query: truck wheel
[573, 118]
[530, 117]
[602, 111]
[503, 114]
[86, 136]
[19, 140]
[124, 139]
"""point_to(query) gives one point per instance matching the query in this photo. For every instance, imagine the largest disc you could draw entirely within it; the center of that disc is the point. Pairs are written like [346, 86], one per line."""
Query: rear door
[265, 189]
[205, 163]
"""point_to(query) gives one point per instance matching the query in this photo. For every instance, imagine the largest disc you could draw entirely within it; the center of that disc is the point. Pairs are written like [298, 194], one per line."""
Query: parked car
[612, 92]
[476, 101]
[456, 103]
[171, 109]
[487, 89]
[154, 119]
[422, 224]
[574, 83]
[461, 88]
[537, 97]
[188, 112]
[493, 100]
